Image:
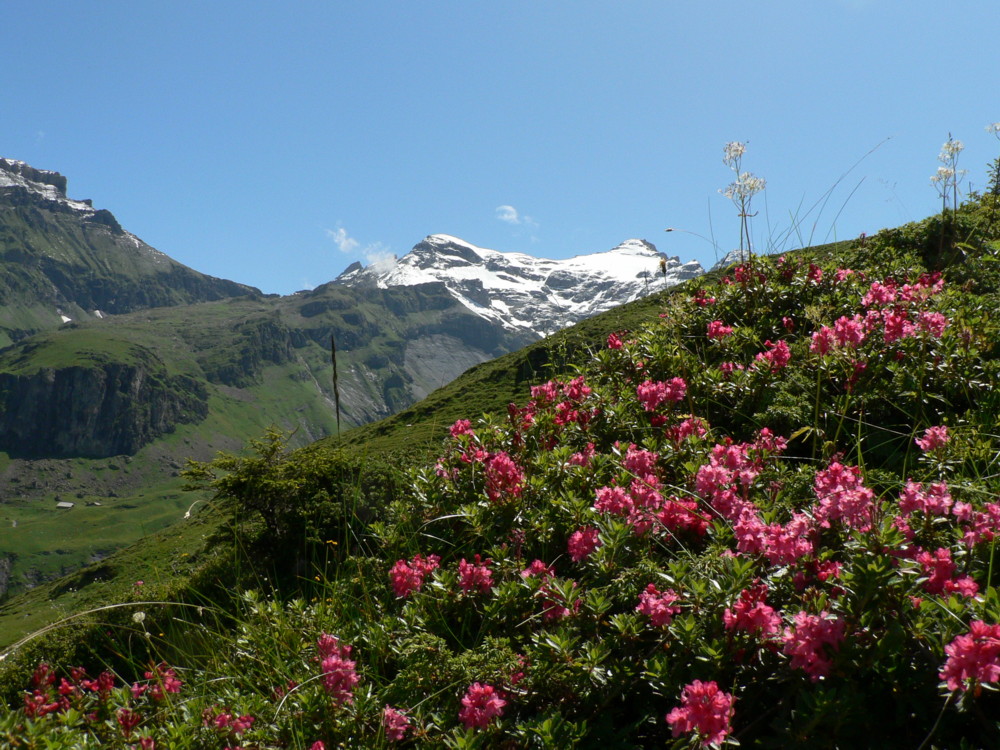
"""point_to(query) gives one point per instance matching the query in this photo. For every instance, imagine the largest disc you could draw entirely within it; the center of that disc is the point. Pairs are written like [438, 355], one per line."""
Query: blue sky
[275, 143]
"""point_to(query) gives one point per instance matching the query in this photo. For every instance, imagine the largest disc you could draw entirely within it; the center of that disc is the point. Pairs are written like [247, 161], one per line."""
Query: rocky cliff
[93, 411]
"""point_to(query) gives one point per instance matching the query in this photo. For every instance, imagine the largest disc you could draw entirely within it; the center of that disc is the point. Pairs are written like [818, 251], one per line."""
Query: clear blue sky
[274, 143]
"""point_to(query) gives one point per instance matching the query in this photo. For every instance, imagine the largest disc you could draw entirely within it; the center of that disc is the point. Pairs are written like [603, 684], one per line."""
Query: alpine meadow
[757, 508]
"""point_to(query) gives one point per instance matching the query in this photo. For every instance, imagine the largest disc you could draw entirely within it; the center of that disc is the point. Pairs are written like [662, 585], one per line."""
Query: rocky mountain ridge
[522, 293]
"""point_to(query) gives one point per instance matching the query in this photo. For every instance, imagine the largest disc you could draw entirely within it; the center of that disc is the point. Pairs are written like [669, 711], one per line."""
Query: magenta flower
[461, 427]
[849, 332]
[807, 642]
[842, 497]
[408, 577]
[395, 723]
[652, 393]
[973, 658]
[475, 576]
[933, 501]
[933, 439]
[582, 543]
[614, 342]
[538, 569]
[481, 704]
[705, 710]
[933, 323]
[752, 614]
[339, 674]
[614, 500]
[504, 478]
[718, 330]
[658, 605]
[777, 355]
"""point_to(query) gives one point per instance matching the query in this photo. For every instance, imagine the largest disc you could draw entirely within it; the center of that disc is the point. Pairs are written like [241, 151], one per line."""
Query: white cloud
[510, 215]
[374, 253]
[344, 242]
[377, 254]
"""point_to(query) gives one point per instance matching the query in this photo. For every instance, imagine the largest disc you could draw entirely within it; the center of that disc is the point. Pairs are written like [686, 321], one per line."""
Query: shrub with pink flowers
[767, 516]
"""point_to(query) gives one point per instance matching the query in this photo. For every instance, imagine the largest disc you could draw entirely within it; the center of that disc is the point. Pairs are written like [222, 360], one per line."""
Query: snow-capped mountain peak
[524, 293]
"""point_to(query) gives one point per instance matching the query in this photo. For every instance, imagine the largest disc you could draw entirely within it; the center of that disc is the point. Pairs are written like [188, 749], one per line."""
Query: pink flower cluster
[395, 723]
[481, 704]
[705, 710]
[653, 393]
[809, 640]
[582, 543]
[842, 497]
[475, 577]
[934, 438]
[161, 679]
[939, 569]
[752, 614]
[408, 577]
[504, 478]
[718, 330]
[777, 356]
[339, 674]
[658, 605]
[973, 658]
[225, 723]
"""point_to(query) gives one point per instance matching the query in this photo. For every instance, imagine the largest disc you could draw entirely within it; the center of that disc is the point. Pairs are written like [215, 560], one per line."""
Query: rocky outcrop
[93, 411]
[524, 294]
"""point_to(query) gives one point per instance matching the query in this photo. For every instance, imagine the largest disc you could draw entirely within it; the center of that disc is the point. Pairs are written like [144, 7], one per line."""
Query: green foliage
[779, 491]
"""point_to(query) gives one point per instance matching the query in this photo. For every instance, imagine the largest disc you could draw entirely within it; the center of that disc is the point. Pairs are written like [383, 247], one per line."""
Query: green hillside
[760, 508]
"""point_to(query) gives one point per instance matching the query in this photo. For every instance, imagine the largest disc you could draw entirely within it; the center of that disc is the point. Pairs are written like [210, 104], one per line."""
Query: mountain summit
[62, 260]
[523, 293]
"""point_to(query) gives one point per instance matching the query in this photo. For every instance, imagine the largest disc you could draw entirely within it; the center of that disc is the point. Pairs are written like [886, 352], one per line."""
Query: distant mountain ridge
[523, 293]
[62, 260]
[118, 363]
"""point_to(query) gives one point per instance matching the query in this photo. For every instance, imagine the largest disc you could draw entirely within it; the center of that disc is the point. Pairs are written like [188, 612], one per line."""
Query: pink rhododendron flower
[614, 500]
[691, 427]
[504, 478]
[614, 342]
[481, 704]
[973, 658]
[408, 577]
[339, 675]
[705, 710]
[652, 393]
[880, 294]
[933, 501]
[842, 497]
[640, 462]
[678, 514]
[933, 323]
[461, 427]
[583, 457]
[815, 274]
[658, 605]
[701, 299]
[475, 577]
[777, 355]
[849, 332]
[939, 569]
[822, 341]
[933, 439]
[896, 325]
[718, 330]
[807, 641]
[538, 569]
[752, 614]
[395, 723]
[583, 542]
